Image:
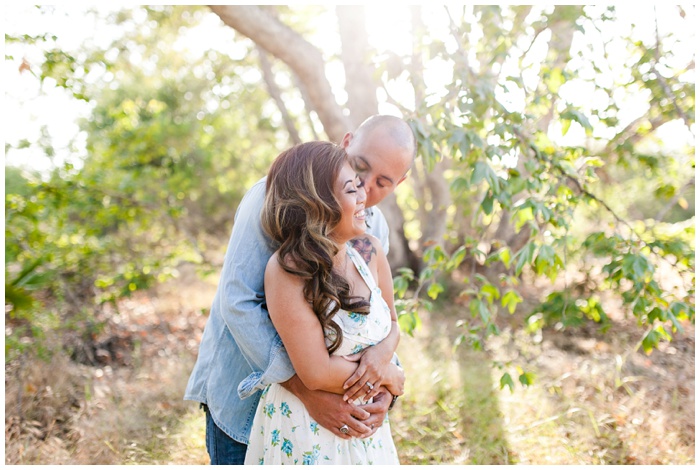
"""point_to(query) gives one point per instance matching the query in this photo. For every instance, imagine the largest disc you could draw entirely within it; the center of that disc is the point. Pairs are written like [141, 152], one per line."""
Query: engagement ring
[370, 385]
[344, 429]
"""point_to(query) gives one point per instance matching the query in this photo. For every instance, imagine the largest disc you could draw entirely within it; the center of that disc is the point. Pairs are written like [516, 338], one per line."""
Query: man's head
[381, 150]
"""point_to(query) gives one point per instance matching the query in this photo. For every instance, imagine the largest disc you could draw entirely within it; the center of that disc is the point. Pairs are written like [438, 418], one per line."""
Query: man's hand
[332, 412]
[372, 369]
[377, 409]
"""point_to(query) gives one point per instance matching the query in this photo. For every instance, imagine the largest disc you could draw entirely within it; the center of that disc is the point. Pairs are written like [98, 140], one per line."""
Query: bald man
[241, 352]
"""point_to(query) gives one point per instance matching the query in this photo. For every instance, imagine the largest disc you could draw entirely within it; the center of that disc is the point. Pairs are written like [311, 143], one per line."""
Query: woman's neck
[339, 258]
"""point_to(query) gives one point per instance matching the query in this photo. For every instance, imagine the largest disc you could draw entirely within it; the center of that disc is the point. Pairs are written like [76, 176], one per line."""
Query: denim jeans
[221, 448]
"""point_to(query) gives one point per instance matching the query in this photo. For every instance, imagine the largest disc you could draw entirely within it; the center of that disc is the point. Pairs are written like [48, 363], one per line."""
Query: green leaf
[565, 125]
[505, 256]
[487, 203]
[522, 216]
[524, 257]
[400, 286]
[576, 115]
[636, 267]
[650, 341]
[568, 168]
[506, 380]
[409, 321]
[545, 259]
[490, 292]
[527, 378]
[481, 169]
[484, 312]
[434, 290]
[459, 185]
[510, 300]
[457, 258]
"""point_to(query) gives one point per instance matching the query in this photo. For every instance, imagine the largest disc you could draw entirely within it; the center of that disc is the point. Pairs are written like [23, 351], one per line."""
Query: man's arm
[332, 412]
[242, 301]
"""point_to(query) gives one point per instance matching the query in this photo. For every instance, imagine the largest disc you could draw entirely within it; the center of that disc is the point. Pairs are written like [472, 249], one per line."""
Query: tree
[521, 190]
[518, 176]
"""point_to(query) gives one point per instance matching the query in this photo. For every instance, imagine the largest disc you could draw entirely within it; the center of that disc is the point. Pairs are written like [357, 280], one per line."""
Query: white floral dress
[283, 432]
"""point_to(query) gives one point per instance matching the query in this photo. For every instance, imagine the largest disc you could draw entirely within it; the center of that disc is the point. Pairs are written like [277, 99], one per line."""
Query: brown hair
[299, 213]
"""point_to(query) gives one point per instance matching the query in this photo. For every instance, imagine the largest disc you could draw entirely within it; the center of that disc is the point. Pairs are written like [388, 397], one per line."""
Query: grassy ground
[595, 401]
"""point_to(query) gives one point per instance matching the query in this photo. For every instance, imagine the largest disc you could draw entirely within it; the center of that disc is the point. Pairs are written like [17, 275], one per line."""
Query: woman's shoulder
[277, 271]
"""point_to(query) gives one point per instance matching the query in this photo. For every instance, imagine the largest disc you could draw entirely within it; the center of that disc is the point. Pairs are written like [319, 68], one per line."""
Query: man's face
[379, 162]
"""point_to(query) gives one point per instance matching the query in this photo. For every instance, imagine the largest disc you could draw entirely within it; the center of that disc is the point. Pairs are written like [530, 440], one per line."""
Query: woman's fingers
[364, 388]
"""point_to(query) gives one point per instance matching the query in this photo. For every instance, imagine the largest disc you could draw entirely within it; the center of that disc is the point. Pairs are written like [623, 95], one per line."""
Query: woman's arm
[301, 332]
[375, 363]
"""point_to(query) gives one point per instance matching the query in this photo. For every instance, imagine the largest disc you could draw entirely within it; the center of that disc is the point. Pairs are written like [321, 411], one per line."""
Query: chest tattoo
[365, 248]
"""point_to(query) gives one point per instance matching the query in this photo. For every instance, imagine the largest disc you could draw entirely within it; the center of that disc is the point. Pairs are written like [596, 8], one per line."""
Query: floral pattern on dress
[288, 433]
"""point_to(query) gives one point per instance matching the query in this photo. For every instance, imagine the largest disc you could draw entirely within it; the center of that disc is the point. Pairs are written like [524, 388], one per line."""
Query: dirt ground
[596, 398]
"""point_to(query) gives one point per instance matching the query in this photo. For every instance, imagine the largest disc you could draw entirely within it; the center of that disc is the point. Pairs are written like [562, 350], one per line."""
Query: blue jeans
[221, 448]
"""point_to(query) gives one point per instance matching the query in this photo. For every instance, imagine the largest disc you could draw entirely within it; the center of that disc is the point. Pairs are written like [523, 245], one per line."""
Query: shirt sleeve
[242, 303]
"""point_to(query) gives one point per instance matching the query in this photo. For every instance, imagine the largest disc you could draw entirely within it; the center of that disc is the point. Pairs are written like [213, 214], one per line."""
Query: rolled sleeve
[279, 370]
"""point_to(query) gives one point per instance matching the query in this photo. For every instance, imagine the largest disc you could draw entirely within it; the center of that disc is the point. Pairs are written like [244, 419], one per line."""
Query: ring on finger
[344, 429]
[371, 387]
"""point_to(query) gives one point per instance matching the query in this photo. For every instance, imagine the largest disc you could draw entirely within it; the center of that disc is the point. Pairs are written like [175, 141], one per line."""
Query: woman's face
[351, 196]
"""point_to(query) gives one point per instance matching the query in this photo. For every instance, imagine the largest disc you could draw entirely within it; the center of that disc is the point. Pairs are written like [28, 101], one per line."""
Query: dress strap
[361, 266]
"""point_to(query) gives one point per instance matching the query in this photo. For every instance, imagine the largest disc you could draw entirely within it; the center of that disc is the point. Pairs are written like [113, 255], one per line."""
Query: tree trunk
[362, 102]
[299, 55]
[359, 83]
[400, 254]
[433, 187]
[306, 62]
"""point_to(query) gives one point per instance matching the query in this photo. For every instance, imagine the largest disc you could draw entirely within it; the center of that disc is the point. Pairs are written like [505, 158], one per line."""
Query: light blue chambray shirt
[241, 352]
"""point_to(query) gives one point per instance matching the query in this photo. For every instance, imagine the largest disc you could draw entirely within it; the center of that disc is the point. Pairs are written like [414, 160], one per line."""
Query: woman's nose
[361, 194]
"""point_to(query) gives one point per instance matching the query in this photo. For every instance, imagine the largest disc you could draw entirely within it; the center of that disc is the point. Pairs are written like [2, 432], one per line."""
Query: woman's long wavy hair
[299, 213]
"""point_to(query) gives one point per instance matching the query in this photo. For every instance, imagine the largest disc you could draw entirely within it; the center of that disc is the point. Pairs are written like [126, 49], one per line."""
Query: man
[241, 353]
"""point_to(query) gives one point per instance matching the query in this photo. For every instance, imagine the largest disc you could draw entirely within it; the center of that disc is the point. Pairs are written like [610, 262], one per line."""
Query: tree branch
[361, 87]
[662, 80]
[672, 202]
[295, 51]
[273, 89]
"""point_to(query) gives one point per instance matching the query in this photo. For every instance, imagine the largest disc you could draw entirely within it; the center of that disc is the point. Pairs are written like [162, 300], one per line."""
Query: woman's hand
[371, 372]
[395, 380]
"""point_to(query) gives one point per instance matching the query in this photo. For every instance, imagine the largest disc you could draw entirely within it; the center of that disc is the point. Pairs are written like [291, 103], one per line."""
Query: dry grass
[77, 414]
[595, 401]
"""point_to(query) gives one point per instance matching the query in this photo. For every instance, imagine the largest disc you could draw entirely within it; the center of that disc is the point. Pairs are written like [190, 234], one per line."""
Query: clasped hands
[340, 414]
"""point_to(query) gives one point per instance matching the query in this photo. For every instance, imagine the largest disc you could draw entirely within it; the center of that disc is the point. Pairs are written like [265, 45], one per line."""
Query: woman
[329, 306]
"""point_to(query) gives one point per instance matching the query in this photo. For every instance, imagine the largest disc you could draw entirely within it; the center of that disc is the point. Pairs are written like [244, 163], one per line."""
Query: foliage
[534, 168]
[168, 155]
[504, 170]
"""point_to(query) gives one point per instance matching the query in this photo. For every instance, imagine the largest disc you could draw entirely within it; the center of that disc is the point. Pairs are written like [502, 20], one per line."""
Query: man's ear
[347, 139]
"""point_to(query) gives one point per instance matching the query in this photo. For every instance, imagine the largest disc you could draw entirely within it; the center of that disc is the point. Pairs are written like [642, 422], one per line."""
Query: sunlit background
[31, 106]
[543, 246]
